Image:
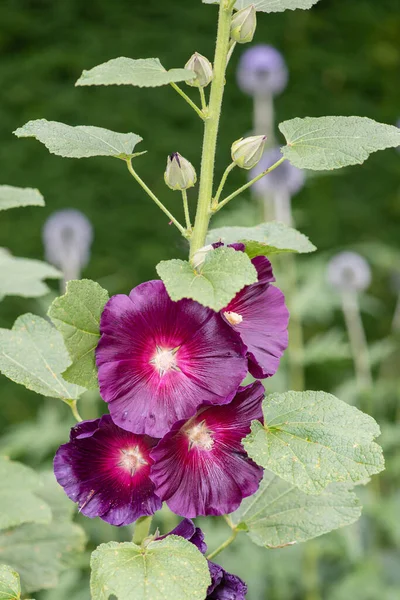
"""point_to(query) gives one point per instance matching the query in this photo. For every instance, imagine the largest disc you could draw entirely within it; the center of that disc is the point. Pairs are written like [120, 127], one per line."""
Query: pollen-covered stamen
[132, 460]
[165, 360]
[200, 436]
[233, 318]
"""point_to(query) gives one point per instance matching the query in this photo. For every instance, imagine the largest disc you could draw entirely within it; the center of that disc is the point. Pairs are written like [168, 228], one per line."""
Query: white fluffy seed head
[349, 271]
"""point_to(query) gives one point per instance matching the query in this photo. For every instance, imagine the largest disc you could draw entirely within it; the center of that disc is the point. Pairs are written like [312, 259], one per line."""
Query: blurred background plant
[344, 301]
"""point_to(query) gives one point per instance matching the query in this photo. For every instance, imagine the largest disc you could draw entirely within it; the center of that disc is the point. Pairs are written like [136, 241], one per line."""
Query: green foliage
[263, 239]
[14, 197]
[169, 569]
[17, 507]
[79, 142]
[40, 552]
[280, 514]
[224, 273]
[270, 6]
[311, 439]
[326, 347]
[144, 72]
[333, 142]
[77, 317]
[23, 276]
[10, 588]
[33, 354]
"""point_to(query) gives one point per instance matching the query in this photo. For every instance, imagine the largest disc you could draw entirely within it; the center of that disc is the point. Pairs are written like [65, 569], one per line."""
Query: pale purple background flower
[159, 360]
[200, 466]
[106, 471]
[285, 178]
[349, 271]
[262, 71]
[67, 238]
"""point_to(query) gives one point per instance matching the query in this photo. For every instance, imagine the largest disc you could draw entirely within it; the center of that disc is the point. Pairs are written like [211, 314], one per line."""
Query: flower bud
[199, 257]
[246, 152]
[180, 173]
[203, 69]
[244, 25]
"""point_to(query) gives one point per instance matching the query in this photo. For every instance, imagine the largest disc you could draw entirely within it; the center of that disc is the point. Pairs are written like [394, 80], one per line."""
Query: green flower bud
[244, 25]
[199, 257]
[246, 152]
[180, 173]
[203, 69]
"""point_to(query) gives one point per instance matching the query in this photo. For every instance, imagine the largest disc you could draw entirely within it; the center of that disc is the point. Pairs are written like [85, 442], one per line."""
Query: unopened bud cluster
[180, 174]
[244, 24]
[203, 69]
[246, 152]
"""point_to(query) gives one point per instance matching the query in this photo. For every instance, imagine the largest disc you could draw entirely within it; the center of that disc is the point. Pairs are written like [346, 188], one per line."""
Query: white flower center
[165, 360]
[200, 436]
[132, 460]
[233, 318]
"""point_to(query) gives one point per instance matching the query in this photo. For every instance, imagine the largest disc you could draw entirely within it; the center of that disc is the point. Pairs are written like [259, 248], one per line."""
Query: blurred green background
[343, 58]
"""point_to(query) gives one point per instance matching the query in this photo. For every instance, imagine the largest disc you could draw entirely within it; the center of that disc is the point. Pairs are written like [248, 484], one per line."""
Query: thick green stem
[248, 184]
[186, 211]
[155, 199]
[188, 100]
[221, 185]
[211, 129]
[142, 529]
[225, 544]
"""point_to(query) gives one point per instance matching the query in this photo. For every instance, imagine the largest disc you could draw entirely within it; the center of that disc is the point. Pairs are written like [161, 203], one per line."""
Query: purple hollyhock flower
[200, 466]
[224, 585]
[105, 470]
[284, 179]
[159, 360]
[259, 315]
[262, 71]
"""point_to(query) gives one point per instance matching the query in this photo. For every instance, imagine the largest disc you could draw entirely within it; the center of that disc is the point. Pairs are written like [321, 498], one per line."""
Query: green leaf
[77, 317]
[311, 439]
[33, 354]
[264, 239]
[144, 72]
[169, 569]
[333, 142]
[23, 276]
[10, 588]
[224, 273]
[81, 141]
[280, 514]
[40, 552]
[53, 494]
[18, 500]
[13, 197]
[270, 6]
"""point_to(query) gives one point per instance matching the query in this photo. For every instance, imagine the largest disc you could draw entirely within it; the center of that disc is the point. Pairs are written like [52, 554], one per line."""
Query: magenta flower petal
[188, 530]
[105, 470]
[258, 313]
[200, 466]
[159, 360]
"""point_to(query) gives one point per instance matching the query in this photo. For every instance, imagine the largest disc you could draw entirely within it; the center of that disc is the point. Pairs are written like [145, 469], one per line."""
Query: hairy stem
[211, 126]
[224, 545]
[142, 529]
[155, 199]
[222, 184]
[203, 100]
[74, 409]
[188, 100]
[248, 184]
[186, 210]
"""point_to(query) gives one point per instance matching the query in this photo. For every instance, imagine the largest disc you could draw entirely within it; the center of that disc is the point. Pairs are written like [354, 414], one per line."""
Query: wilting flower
[259, 315]
[224, 585]
[67, 237]
[200, 466]
[262, 70]
[349, 271]
[105, 470]
[284, 179]
[159, 360]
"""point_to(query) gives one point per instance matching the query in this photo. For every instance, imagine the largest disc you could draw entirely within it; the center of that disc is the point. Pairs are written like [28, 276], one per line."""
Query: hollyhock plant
[105, 469]
[224, 585]
[259, 315]
[159, 360]
[200, 466]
